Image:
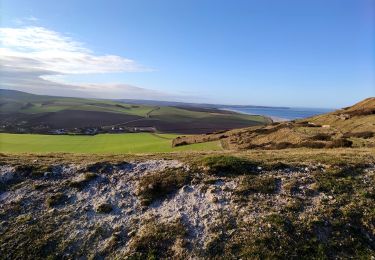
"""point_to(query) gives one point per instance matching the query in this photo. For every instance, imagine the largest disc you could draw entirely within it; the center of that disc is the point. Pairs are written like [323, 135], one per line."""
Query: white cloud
[35, 59]
[38, 60]
[26, 20]
[50, 50]
[37, 81]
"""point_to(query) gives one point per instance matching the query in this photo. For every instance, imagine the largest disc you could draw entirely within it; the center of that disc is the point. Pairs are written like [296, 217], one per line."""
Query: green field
[28, 113]
[20, 102]
[103, 143]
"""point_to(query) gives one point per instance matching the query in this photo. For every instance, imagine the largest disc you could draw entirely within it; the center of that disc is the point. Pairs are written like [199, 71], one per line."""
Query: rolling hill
[351, 126]
[28, 113]
[198, 202]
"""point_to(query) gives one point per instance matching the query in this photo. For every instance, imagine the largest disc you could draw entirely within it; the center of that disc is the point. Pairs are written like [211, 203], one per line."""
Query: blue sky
[312, 53]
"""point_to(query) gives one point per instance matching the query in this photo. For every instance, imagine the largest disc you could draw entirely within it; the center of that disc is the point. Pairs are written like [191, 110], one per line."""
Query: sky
[311, 53]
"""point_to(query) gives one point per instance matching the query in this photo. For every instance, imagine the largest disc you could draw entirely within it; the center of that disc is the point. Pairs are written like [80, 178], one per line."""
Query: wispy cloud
[36, 81]
[26, 20]
[36, 59]
[46, 49]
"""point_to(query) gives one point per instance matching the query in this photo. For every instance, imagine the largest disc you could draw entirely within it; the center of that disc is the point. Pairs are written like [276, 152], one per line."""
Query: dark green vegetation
[158, 185]
[228, 165]
[27, 113]
[56, 199]
[104, 208]
[290, 204]
[155, 240]
[262, 184]
[83, 181]
[292, 225]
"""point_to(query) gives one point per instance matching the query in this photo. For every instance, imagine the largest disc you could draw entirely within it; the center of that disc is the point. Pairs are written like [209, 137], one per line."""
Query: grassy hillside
[20, 102]
[350, 127]
[101, 144]
[28, 113]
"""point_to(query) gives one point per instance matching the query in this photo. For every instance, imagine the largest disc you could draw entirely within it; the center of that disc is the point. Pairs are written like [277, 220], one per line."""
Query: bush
[267, 130]
[307, 124]
[32, 171]
[156, 240]
[56, 199]
[365, 135]
[101, 167]
[312, 144]
[362, 112]
[283, 145]
[278, 166]
[337, 181]
[342, 142]
[321, 137]
[81, 184]
[175, 144]
[228, 165]
[158, 185]
[104, 208]
[260, 184]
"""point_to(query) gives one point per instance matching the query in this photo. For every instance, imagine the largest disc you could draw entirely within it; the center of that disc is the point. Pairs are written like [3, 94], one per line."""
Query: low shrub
[312, 144]
[176, 144]
[335, 181]
[56, 199]
[283, 145]
[158, 185]
[257, 184]
[362, 112]
[104, 208]
[32, 171]
[321, 137]
[267, 130]
[307, 124]
[82, 183]
[294, 205]
[365, 135]
[228, 165]
[342, 142]
[155, 240]
[278, 166]
[100, 167]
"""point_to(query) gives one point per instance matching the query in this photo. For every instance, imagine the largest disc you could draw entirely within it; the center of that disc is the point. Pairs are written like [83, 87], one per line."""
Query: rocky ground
[223, 207]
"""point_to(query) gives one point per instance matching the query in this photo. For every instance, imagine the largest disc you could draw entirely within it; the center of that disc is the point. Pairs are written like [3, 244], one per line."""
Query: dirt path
[148, 115]
[124, 123]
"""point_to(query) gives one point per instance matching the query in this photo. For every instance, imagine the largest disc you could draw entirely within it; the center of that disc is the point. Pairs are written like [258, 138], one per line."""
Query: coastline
[280, 115]
[274, 119]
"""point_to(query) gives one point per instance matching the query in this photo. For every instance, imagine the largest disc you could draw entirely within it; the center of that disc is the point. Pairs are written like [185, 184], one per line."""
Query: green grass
[84, 105]
[103, 143]
[173, 114]
[228, 165]
[159, 184]
[32, 104]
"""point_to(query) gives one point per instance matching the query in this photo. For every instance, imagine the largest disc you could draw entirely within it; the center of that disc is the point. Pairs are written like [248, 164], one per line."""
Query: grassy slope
[174, 114]
[104, 143]
[308, 132]
[20, 102]
[58, 104]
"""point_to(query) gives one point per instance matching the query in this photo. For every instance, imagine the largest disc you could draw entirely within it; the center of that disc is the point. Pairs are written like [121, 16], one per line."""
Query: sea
[281, 113]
